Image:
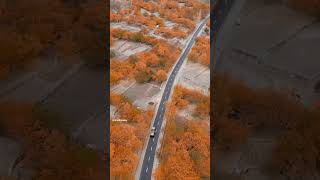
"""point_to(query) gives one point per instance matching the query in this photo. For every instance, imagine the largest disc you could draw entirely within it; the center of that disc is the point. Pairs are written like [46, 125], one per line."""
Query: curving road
[146, 170]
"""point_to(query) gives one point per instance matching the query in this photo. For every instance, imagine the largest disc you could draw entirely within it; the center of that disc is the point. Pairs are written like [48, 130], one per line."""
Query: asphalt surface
[146, 170]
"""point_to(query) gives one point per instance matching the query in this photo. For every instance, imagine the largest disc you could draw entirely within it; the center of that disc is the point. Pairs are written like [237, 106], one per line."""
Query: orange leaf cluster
[145, 66]
[127, 111]
[183, 15]
[115, 17]
[123, 145]
[154, 64]
[124, 12]
[186, 22]
[120, 70]
[133, 36]
[111, 41]
[169, 9]
[201, 51]
[127, 138]
[149, 21]
[150, 6]
[186, 149]
[183, 96]
[186, 146]
[160, 76]
[171, 33]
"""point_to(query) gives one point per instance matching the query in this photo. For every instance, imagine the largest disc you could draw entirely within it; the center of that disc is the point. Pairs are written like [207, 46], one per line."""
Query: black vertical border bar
[107, 90]
[212, 2]
[218, 11]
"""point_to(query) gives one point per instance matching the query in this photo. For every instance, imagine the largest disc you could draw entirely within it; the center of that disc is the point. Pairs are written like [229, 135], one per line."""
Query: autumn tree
[177, 167]
[115, 99]
[138, 37]
[152, 60]
[120, 70]
[126, 138]
[115, 17]
[125, 144]
[143, 67]
[186, 143]
[143, 76]
[162, 49]
[168, 33]
[160, 76]
[201, 51]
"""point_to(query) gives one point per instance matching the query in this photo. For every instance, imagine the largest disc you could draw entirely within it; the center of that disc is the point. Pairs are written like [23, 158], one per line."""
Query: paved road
[146, 170]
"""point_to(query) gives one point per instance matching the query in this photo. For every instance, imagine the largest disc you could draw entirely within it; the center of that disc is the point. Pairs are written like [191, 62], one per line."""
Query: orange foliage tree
[133, 36]
[126, 139]
[120, 70]
[185, 150]
[123, 160]
[168, 33]
[201, 51]
[144, 66]
[115, 17]
[160, 76]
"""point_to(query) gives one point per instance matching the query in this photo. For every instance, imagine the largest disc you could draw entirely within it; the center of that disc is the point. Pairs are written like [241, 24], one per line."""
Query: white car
[153, 132]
